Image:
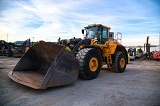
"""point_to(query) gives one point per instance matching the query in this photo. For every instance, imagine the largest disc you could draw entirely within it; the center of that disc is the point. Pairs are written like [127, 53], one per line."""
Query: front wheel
[90, 63]
[119, 62]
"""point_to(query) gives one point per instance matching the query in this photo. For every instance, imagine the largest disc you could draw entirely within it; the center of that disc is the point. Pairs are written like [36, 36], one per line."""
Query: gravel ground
[139, 85]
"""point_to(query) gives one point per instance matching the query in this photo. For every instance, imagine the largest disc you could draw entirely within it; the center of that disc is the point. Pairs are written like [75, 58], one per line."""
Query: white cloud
[50, 19]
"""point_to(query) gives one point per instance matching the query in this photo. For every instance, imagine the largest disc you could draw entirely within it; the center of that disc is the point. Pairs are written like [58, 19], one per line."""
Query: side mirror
[82, 31]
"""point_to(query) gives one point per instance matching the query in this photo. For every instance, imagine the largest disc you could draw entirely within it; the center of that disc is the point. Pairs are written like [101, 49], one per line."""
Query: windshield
[96, 32]
[91, 32]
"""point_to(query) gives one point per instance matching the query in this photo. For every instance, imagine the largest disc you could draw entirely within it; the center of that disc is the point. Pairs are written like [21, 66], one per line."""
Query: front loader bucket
[46, 65]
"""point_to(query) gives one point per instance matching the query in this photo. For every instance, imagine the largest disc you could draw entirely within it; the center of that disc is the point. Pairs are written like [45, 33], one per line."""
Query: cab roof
[98, 25]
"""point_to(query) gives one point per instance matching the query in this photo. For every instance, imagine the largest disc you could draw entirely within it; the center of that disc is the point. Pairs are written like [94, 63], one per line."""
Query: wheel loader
[48, 65]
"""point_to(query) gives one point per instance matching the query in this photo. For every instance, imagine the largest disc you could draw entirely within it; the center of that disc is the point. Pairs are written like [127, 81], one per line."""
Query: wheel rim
[122, 63]
[93, 64]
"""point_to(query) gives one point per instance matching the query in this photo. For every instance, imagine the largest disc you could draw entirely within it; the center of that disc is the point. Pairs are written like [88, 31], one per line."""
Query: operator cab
[97, 31]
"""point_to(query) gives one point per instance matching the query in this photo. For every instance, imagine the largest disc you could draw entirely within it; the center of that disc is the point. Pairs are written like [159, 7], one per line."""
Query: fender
[82, 42]
[121, 48]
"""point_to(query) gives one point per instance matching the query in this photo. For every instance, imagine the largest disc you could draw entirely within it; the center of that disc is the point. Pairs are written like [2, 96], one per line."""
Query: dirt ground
[139, 85]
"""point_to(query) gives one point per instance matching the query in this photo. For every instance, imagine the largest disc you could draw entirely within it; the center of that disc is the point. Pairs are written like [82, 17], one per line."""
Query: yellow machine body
[47, 64]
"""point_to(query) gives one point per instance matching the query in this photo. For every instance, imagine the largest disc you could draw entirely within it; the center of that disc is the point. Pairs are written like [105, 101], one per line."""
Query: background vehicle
[21, 47]
[155, 55]
[6, 49]
[47, 64]
[132, 53]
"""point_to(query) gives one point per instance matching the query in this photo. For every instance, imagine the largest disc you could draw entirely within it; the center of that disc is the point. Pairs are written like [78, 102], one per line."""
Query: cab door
[104, 36]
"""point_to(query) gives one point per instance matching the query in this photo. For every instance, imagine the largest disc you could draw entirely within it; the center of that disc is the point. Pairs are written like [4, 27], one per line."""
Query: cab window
[104, 35]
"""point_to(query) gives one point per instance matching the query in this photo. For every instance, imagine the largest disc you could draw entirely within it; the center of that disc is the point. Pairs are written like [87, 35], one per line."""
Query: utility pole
[7, 37]
[32, 41]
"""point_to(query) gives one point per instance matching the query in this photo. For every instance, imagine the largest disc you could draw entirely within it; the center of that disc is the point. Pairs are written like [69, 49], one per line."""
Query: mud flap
[46, 65]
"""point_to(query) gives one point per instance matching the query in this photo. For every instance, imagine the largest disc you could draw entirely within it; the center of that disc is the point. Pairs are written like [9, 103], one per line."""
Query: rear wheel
[119, 62]
[90, 63]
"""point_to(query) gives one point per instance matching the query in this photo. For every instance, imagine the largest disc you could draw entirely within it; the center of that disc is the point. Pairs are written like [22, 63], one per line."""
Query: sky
[50, 19]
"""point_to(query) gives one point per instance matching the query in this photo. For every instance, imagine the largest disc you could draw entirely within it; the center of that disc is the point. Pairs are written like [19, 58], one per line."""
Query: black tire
[119, 62]
[85, 56]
